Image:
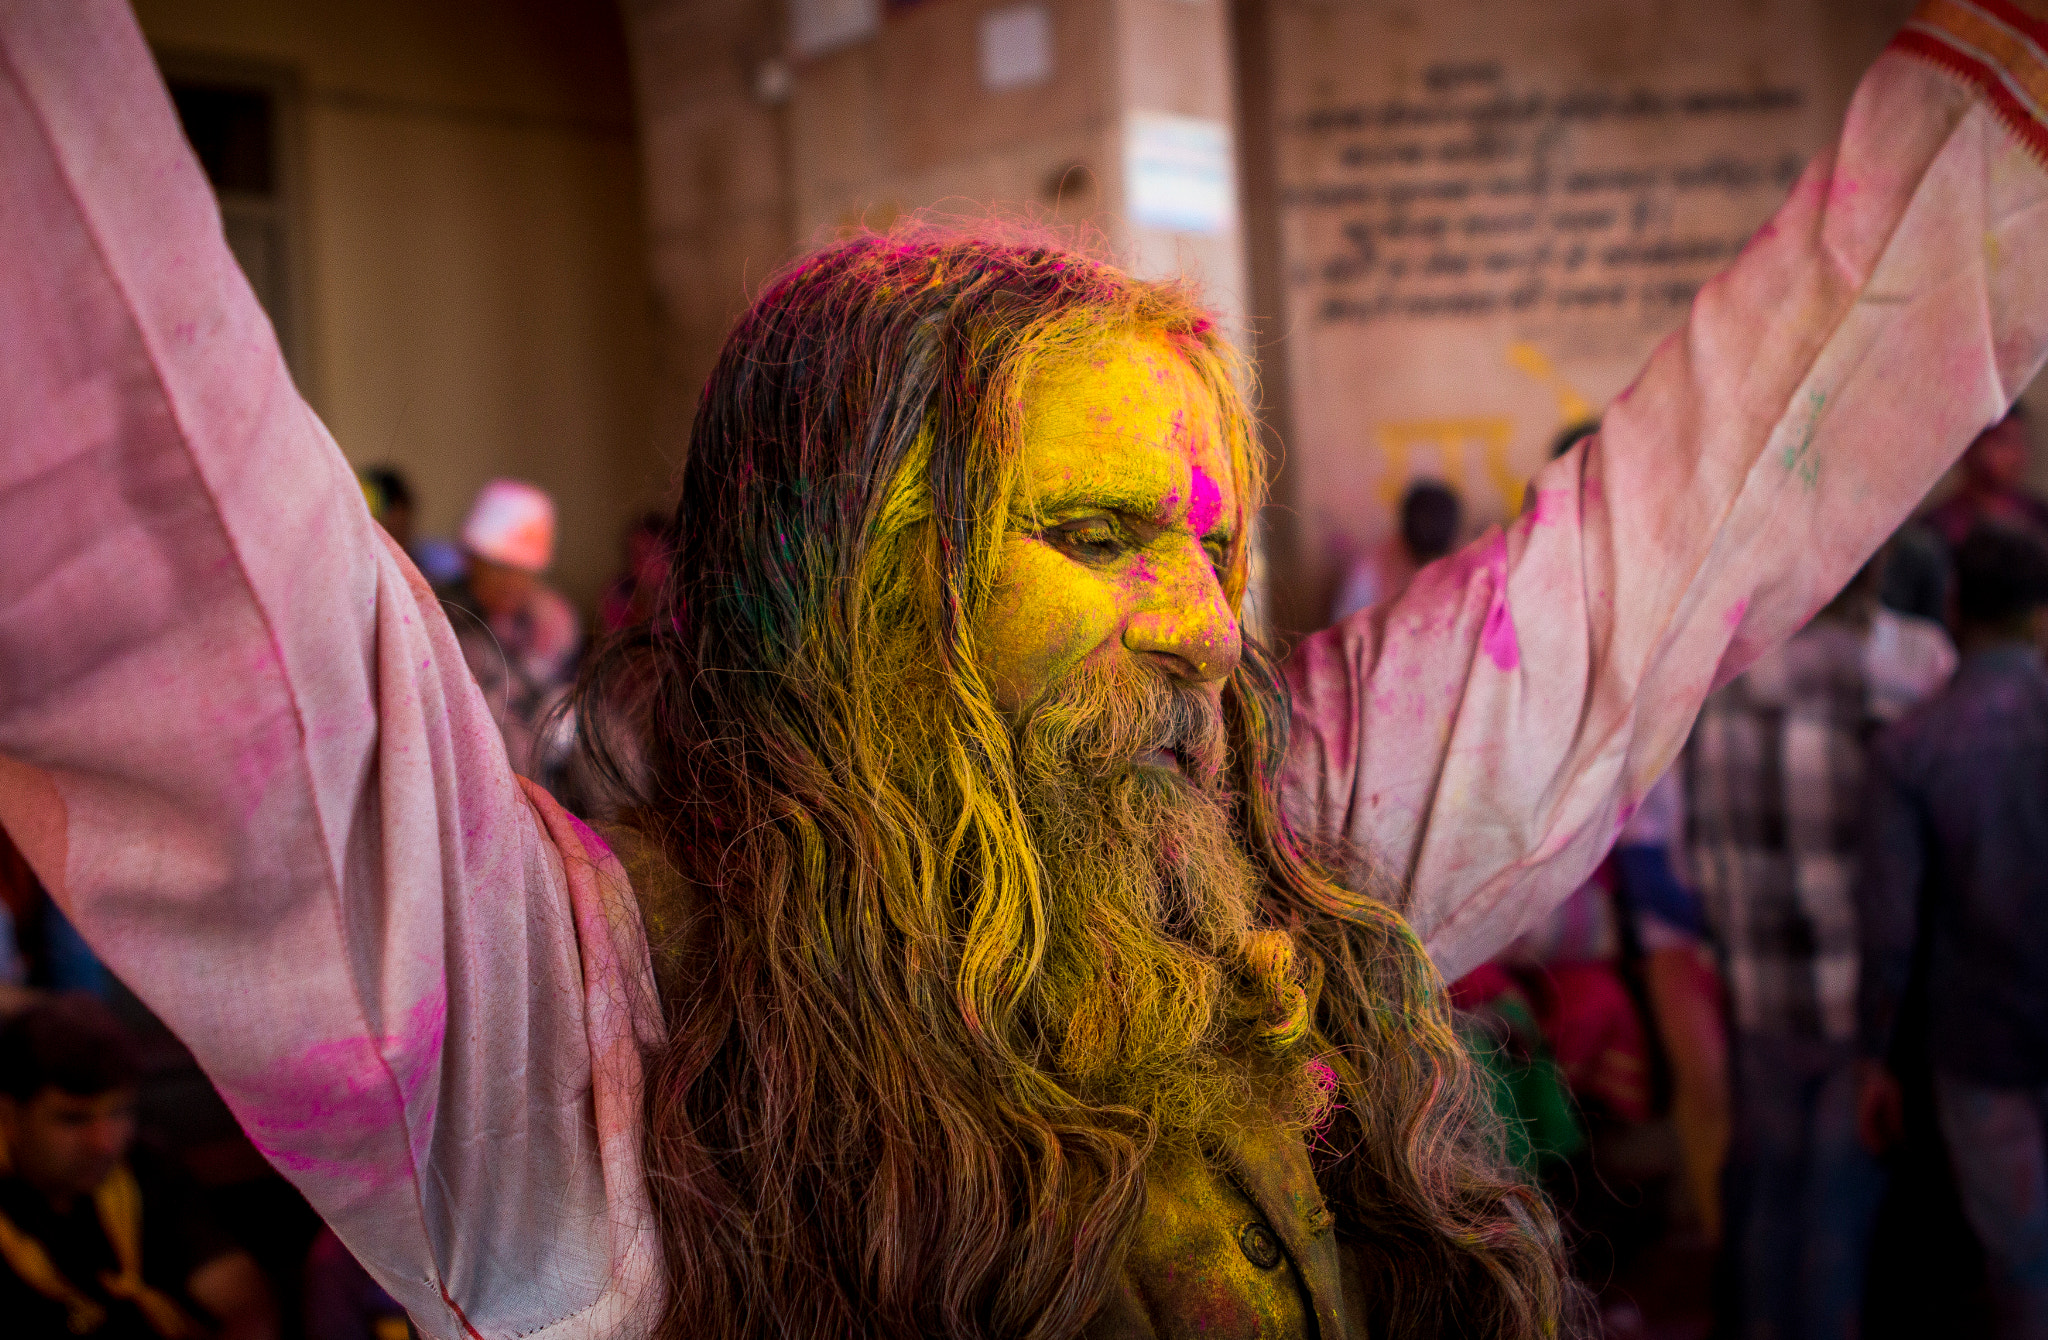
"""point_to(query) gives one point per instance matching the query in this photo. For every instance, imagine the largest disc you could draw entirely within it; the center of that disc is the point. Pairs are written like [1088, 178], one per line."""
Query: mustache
[1101, 721]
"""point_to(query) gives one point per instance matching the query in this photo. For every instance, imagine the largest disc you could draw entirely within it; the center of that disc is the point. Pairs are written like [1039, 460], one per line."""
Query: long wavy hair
[857, 1124]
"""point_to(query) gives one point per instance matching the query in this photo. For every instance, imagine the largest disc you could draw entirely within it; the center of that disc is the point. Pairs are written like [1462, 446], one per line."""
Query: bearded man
[1010, 947]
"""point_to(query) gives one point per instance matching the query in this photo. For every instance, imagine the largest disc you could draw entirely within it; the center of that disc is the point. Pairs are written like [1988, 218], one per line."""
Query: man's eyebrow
[1137, 504]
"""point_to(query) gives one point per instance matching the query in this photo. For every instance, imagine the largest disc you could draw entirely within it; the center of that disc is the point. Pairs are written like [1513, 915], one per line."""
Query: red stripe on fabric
[2016, 115]
[460, 1315]
[2012, 16]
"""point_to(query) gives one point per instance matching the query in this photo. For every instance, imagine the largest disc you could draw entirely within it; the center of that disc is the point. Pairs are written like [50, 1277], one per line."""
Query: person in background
[96, 1239]
[1956, 868]
[48, 950]
[390, 497]
[391, 502]
[1625, 1000]
[1571, 435]
[343, 1302]
[1994, 476]
[519, 635]
[1431, 517]
[1669, 964]
[1775, 775]
[20, 894]
[1917, 573]
[629, 599]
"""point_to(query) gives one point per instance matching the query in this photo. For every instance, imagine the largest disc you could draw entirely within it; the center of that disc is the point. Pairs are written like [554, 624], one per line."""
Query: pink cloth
[238, 742]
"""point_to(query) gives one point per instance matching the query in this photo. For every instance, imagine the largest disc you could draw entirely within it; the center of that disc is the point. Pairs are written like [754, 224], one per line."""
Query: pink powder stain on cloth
[341, 1095]
[1549, 506]
[595, 845]
[1497, 636]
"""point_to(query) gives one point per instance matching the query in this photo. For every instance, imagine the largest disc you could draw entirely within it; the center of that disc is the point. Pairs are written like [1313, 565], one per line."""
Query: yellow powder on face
[1127, 513]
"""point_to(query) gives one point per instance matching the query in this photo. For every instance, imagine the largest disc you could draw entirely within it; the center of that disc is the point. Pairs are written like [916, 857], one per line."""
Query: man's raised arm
[240, 747]
[1487, 734]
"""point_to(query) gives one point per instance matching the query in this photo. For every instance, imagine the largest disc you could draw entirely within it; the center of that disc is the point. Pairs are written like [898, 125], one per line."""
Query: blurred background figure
[629, 598]
[1572, 435]
[343, 1302]
[1917, 573]
[1775, 770]
[1669, 966]
[392, 506]
[1431, 518]
[390, 499]
[20, 894]
[1955, 883]
[97, 1238]
[38, 945]
[1993, 490]
[1626, 1010]
[520, 637]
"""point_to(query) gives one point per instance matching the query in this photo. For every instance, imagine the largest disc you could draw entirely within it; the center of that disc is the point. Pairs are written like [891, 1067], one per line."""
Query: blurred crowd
[1783, 1061]
[522, 639]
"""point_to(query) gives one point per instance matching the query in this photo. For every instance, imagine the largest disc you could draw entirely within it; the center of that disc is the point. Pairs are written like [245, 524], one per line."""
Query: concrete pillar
[717, 179]
[1112, 119]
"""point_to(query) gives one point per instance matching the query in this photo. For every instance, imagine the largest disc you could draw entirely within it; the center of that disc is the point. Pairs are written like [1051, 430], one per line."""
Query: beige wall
[718, 212]
[1365, 125]
[475, 287]
[743, 174]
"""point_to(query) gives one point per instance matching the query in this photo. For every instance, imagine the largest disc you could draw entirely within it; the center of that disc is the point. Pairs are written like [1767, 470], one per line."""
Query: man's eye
[1095, 538]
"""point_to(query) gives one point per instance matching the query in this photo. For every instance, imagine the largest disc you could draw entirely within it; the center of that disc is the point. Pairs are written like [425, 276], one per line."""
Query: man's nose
[1184, 623]
[110, 1137]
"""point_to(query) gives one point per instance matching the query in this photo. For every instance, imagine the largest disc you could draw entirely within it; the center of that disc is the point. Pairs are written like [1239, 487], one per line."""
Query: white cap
[513, 523]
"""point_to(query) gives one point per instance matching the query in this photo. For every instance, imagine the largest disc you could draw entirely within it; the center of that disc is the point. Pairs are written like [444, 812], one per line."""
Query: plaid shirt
[1774, 777]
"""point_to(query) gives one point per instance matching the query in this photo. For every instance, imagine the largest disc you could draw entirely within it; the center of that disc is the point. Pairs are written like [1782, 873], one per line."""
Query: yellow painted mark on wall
[1572, 407]
[1453, 439]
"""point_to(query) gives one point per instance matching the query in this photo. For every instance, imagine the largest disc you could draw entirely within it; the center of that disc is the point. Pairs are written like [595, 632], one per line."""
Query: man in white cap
[521, 636]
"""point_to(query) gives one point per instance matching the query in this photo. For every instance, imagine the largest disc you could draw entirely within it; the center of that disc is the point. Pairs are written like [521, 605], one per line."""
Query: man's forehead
[1128, 425]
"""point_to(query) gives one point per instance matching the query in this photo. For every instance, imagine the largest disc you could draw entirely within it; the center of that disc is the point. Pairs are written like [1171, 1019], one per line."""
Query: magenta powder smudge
[1497, 637]
[1205, 502]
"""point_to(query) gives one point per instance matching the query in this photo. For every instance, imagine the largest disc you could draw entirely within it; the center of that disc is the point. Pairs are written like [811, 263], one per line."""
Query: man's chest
[1234, 1244]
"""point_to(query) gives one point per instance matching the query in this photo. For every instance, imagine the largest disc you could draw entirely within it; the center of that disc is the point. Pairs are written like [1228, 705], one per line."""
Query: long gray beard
[1162, 988]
